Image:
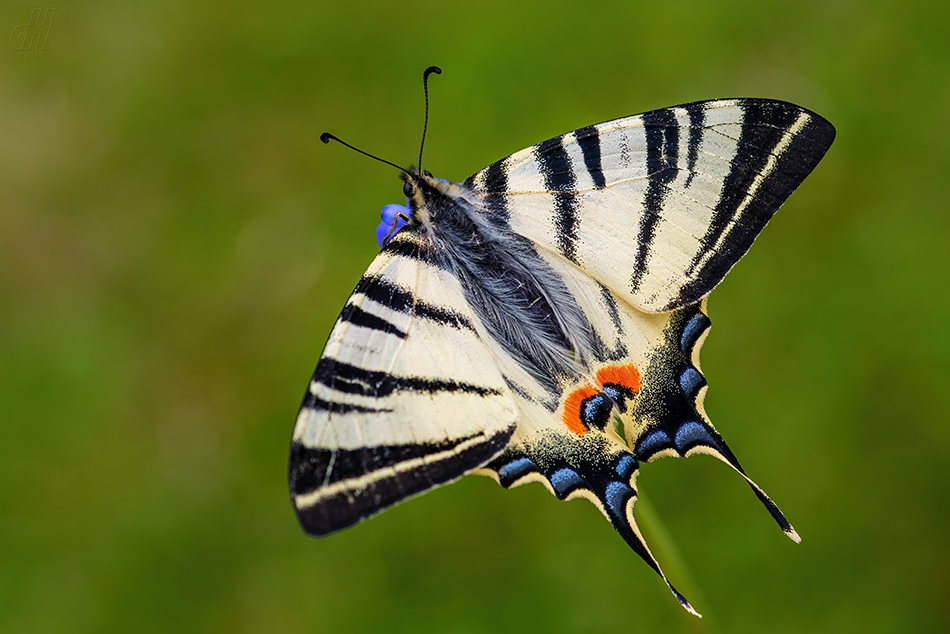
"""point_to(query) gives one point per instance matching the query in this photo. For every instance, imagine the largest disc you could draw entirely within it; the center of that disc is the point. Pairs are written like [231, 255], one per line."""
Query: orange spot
[626, 375]
[572, 408]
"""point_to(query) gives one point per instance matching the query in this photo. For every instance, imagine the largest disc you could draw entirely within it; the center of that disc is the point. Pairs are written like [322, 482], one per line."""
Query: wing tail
[608, 484]
[729, 458]
[618, 500]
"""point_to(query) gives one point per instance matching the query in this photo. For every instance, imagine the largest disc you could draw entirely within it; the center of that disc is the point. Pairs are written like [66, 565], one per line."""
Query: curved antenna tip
[326, 137]
[425, 88]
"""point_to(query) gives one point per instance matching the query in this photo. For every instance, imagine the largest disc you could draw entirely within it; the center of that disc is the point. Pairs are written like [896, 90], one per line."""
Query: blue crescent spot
[625, 466]
[564, 480]
[690, 382]
[616, 497]
[517, 468]
[692, 433]
[691, 332]
[654, 442]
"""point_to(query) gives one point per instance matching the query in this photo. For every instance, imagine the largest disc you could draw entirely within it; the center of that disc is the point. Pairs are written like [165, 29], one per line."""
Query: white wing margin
[406, 396]
[659, 206]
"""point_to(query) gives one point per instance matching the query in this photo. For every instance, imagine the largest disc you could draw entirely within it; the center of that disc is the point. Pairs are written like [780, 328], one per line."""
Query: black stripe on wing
[494, 187]
[354, 314]
[589, 141]
[400, 299]
[697, 118]
[352, 379]
[318, 404]
[336, 488]
[662, 139]
[557, 169]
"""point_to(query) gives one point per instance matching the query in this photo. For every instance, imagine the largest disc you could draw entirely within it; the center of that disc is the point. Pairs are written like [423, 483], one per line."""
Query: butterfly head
[395, 217]
[420, 187]
[422, 191]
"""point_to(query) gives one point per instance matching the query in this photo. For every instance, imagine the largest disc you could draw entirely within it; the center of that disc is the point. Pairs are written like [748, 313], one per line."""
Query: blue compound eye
[407, 189]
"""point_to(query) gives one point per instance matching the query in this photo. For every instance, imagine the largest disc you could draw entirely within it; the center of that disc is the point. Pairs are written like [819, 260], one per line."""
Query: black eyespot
[407, 189]
[595, 411]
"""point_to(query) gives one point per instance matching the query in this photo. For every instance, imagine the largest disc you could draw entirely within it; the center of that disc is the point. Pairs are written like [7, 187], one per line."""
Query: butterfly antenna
[326, 136]
[425, 88]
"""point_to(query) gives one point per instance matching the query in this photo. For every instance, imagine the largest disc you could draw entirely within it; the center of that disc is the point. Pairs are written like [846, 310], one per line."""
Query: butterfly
[542, 320]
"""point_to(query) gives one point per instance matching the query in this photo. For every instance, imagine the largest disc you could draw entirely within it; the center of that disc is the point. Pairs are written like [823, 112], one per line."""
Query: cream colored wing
[404, 398]
[659, 206]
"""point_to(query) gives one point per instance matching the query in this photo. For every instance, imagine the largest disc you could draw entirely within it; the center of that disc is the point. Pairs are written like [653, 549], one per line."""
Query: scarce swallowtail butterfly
[542, 320]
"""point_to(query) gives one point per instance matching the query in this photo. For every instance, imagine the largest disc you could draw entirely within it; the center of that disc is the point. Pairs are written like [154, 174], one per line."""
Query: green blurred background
[176, 244]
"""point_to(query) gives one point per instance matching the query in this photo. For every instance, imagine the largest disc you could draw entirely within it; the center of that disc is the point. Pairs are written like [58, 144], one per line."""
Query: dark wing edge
[369, 480]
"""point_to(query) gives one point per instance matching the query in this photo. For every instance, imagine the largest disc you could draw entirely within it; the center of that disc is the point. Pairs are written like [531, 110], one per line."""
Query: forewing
[405, 397]
[659, 206]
